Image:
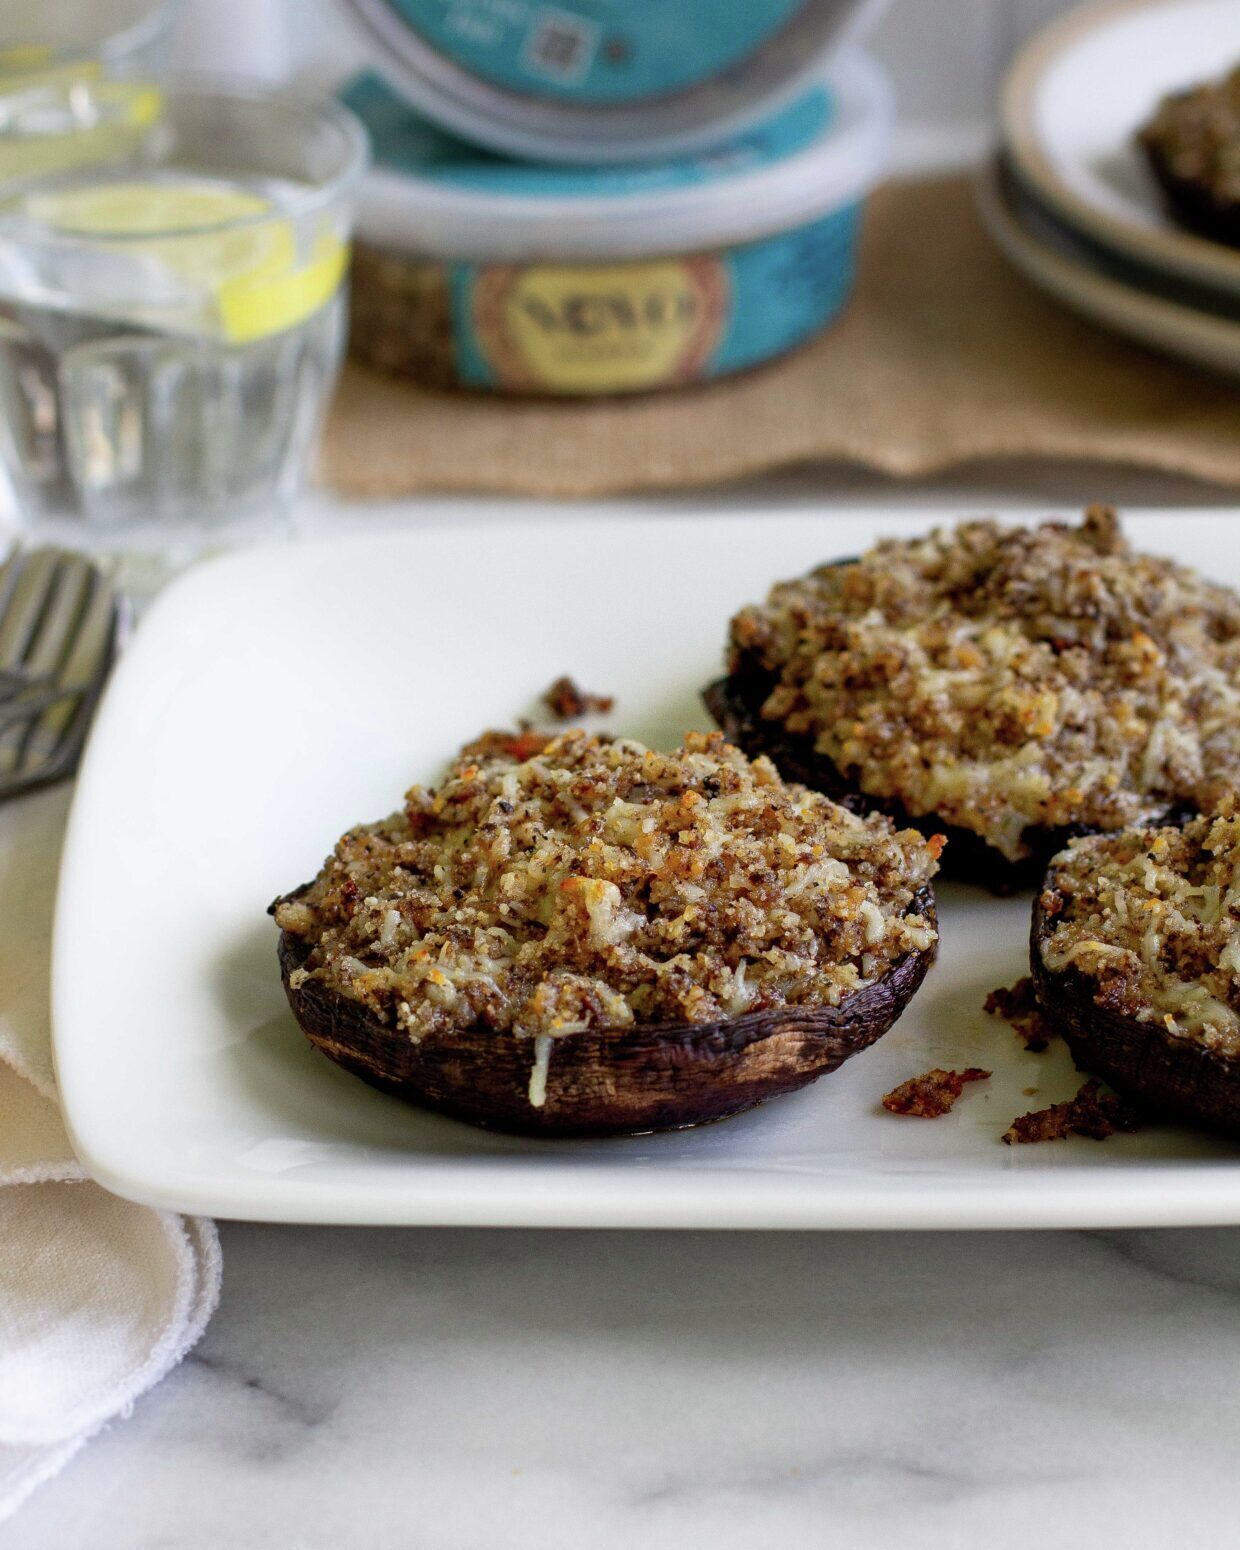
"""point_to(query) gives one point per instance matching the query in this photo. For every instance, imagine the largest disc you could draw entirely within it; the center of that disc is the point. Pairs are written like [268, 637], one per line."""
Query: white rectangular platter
[275, 697]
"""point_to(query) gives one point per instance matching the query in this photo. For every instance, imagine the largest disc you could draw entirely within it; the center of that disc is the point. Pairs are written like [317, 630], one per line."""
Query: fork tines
[60, 626]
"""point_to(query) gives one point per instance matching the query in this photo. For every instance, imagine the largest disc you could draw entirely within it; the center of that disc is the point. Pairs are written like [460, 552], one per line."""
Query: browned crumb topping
[1196, 135]
[583, 882]
[1152, 917]
[1002, 678]
[931, 1094]
[566, 701]
[1018, 1005]
[1093, 1113]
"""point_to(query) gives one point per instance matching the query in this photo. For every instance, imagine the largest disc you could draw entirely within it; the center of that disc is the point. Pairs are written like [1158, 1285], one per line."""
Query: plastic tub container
[478, 272]
[597, 81]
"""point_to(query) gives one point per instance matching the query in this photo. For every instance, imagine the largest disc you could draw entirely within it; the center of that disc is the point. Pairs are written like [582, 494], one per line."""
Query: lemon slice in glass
[229, 246]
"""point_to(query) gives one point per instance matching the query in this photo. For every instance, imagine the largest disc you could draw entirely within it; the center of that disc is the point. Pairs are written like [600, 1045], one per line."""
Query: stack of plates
[1069, 197]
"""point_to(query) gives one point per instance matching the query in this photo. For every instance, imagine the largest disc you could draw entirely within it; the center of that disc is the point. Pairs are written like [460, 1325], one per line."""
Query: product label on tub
[598, 328]
[597, 51]
[627, 327]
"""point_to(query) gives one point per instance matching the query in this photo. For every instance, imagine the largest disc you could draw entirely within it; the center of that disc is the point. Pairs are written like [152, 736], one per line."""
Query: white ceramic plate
[1078, 93]
[1063, 267]
[274, 697]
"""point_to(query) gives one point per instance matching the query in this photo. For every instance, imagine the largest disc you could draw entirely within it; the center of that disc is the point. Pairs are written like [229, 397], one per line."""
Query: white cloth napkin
[99, 1298]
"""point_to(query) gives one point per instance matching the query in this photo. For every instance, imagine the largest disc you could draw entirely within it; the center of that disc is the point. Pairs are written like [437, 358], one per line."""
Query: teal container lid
[432, 194]
[596, 81]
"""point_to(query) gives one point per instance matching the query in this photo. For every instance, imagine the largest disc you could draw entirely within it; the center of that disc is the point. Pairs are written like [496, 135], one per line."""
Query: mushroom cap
[606, 1081]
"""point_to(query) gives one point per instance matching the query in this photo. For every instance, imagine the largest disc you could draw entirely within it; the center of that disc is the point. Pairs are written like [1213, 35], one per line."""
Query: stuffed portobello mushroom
[581, 936]
[1009, 687]
[1192, 145]
[1135, 955]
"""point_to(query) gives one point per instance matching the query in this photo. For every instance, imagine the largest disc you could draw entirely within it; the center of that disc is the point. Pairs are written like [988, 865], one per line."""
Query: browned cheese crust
[1011, 687]
[580, 935]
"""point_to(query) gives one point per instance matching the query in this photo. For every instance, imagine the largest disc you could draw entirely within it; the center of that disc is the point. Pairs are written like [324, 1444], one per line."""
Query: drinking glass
[172, 312]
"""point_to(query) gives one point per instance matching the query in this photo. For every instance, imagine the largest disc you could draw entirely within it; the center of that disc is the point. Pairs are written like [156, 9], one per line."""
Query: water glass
[171, 308]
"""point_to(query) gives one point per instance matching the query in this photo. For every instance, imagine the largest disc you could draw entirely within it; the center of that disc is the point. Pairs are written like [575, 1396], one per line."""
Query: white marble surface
[470, 1390]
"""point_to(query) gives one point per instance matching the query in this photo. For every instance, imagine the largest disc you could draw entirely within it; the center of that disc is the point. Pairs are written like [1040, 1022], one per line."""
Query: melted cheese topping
[1003, 678]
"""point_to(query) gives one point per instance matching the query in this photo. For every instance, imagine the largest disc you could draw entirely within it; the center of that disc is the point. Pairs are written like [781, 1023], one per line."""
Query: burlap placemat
[945, 356]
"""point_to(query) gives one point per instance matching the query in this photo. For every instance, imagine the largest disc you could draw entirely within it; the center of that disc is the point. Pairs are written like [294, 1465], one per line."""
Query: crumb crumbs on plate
[1092, 1113]
[1018, 1005]
[566, 700]
[932, 1094]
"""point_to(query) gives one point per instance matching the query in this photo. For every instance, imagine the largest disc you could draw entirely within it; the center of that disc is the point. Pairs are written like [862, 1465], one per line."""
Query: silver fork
[61, 625]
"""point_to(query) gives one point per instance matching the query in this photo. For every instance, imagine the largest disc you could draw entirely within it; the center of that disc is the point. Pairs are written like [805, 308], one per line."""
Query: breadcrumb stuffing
[1152, 918]
[552, 885]
[1003, 679]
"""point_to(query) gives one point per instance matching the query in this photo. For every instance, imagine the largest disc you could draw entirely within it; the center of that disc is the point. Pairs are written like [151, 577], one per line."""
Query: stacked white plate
[1069, 197]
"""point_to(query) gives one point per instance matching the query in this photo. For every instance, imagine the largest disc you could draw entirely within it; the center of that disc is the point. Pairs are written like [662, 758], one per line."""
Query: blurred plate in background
[1076, 97]
[1192, 323]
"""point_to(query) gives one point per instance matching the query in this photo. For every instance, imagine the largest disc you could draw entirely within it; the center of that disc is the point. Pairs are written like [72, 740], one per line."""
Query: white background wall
[946, 55]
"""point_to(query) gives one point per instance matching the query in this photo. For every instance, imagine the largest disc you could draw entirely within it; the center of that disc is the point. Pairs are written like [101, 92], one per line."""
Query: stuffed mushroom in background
[579, 935]
[1192, 144]
[1010, 687]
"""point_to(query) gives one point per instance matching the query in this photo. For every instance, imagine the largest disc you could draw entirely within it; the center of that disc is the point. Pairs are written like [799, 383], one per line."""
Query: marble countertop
[471, 1390]
[457, 1390]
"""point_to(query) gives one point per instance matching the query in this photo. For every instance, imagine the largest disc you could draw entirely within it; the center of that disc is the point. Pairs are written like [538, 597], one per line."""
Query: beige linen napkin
[945, 356]
[99, 1298]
